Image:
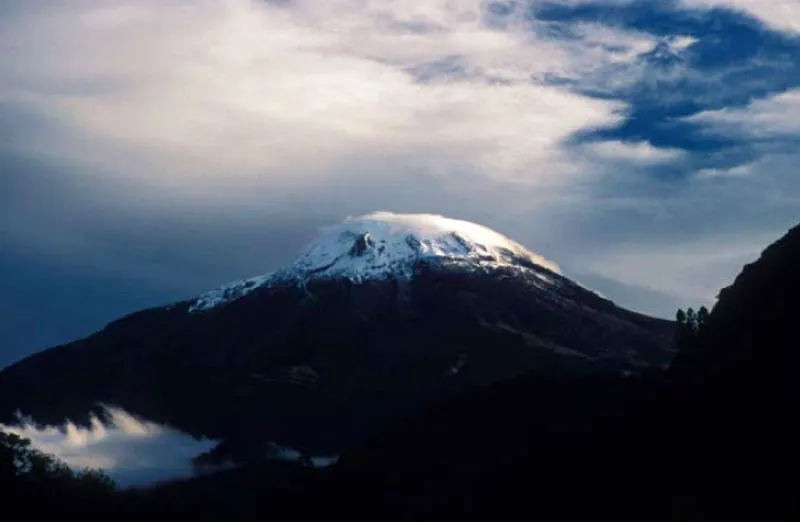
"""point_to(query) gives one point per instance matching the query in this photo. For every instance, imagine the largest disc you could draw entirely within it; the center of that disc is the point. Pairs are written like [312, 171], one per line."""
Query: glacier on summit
[384, 244]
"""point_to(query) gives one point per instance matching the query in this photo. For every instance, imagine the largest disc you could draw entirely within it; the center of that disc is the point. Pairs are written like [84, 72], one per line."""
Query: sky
[152, 150]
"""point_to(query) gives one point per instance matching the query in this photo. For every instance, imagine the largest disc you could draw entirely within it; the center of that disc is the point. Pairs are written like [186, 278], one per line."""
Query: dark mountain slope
[736, 389]
[712, 438]
[754, 319]
[320, 366]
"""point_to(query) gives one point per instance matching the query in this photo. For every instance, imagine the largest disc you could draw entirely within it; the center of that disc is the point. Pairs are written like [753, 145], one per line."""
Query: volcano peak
[383, 245]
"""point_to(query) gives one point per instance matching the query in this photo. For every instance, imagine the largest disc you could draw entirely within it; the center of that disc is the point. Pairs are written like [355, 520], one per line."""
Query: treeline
[688, 325]
[36, 485]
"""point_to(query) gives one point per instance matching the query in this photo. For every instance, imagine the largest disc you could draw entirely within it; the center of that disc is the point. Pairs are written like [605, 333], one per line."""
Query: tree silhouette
[680, 328]
[691, 321]
[702, 317]
[688, 326]
[26, 470]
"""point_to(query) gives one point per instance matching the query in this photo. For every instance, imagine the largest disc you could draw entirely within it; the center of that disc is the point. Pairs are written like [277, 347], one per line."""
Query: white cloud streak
[635, 153]
[131, 451]
[779, 14]
[775, 117]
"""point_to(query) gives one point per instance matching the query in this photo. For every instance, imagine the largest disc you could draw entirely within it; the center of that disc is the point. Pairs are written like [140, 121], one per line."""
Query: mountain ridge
[710, 438]
[317, 363]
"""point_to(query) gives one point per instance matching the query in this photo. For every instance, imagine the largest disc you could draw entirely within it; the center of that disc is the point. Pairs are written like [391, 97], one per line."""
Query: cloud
[708, 214]
[681, 43]
[174, 120]
[131, 451]
[770, 118]
[694, 269]
[768, 130]
[780, 14]
[206, 108]
[134, 452]
[194, 92]
[638, 153]
[739, 170]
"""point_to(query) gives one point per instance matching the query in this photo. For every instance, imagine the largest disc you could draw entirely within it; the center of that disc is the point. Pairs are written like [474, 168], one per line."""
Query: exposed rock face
[361, 245]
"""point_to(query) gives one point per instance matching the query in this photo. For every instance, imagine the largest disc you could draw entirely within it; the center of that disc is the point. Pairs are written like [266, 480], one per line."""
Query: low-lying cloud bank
[135, 452]
[132, 451]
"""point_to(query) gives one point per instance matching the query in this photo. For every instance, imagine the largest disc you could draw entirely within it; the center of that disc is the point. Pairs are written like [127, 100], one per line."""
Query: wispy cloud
[768, 130]
[781, 14]
[135, 452]
[770, 118]
[632, 153]
[192, 90]
[131, 451]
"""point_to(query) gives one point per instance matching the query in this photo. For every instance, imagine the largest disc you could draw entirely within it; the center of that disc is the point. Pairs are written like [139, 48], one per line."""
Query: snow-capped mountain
[383, 245]
[377, 315]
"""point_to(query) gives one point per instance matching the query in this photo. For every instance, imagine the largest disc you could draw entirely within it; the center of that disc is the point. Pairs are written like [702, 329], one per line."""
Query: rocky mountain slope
[379, 315]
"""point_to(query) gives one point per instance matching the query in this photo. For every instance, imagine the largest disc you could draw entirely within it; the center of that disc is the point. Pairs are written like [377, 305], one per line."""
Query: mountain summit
[384, 245]
[378, 315]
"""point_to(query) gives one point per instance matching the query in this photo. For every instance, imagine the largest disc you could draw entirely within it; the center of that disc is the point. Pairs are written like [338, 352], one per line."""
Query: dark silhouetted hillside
[711, 438]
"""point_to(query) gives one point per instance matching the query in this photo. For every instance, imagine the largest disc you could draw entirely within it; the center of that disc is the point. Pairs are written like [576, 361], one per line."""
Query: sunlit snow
[384, 244]
[229, 292]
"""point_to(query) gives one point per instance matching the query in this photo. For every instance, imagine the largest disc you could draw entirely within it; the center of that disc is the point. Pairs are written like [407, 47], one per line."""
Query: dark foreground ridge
[710, 438]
